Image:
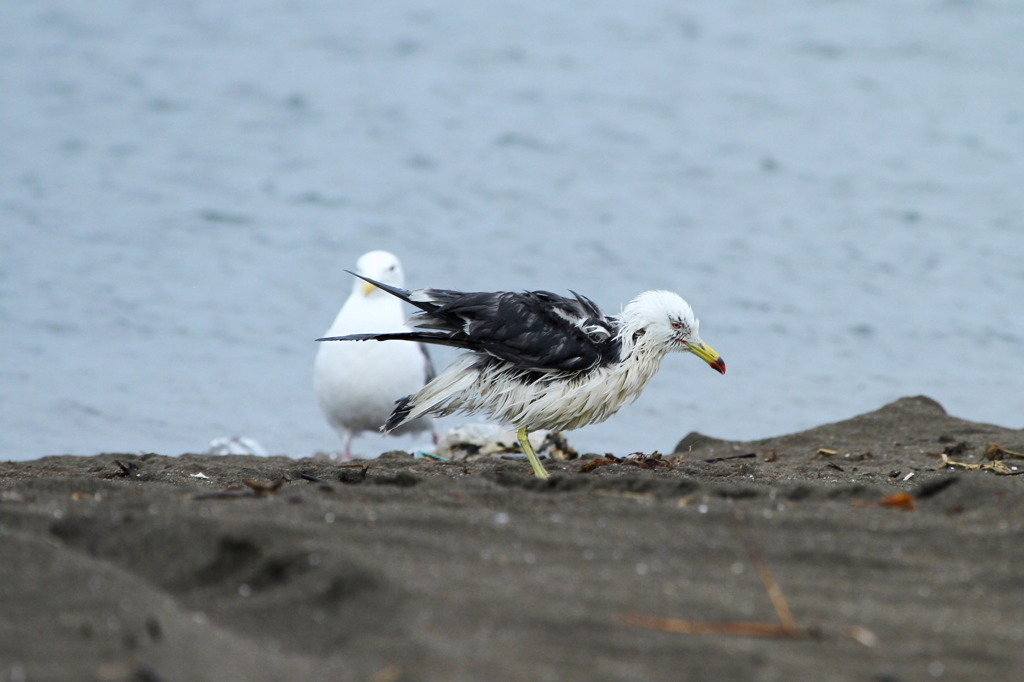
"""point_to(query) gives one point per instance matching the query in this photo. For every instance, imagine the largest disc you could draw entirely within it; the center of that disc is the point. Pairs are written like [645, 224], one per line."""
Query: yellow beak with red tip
[708, 355]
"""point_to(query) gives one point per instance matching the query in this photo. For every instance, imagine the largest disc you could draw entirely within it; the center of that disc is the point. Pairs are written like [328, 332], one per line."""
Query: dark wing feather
[533, 330]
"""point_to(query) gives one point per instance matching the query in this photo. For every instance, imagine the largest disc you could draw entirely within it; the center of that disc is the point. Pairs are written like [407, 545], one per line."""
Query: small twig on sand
[771, 586]
[996, 467]
[786, 627]
[696, 627]
[746, 455]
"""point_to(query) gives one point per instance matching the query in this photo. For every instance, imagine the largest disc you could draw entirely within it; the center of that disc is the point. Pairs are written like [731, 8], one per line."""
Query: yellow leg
[538, 469]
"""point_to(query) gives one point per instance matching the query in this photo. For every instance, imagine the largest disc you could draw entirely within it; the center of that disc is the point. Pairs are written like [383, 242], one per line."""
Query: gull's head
[664, 321]
[381, 266]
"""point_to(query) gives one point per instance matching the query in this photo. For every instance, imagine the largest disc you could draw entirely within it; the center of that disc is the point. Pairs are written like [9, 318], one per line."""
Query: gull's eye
[677, 325]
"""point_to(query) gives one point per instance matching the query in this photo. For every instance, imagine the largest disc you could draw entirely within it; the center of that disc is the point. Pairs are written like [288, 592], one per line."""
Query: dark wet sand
[419, 570]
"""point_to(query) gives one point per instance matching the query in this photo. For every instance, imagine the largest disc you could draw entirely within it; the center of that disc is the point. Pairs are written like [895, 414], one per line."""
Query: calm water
[836, 187]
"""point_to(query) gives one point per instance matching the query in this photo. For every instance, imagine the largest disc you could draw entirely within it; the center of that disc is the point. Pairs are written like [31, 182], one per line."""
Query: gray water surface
[835, 186]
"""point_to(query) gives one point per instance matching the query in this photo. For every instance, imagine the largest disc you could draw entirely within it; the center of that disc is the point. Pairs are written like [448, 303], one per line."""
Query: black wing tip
[398, 417]
[349, 337]
[393, 290]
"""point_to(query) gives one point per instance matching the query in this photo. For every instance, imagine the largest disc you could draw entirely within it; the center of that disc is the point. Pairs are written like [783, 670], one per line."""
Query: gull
[538, 360]
[356, 385]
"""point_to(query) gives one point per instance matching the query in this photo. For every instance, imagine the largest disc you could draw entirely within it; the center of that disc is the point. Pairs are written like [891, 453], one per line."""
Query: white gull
[356, 385]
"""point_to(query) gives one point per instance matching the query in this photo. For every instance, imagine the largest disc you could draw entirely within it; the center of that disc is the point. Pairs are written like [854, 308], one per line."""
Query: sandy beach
[885, 547]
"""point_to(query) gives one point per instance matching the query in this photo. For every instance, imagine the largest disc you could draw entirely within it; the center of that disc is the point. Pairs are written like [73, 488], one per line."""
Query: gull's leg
[538, 469]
